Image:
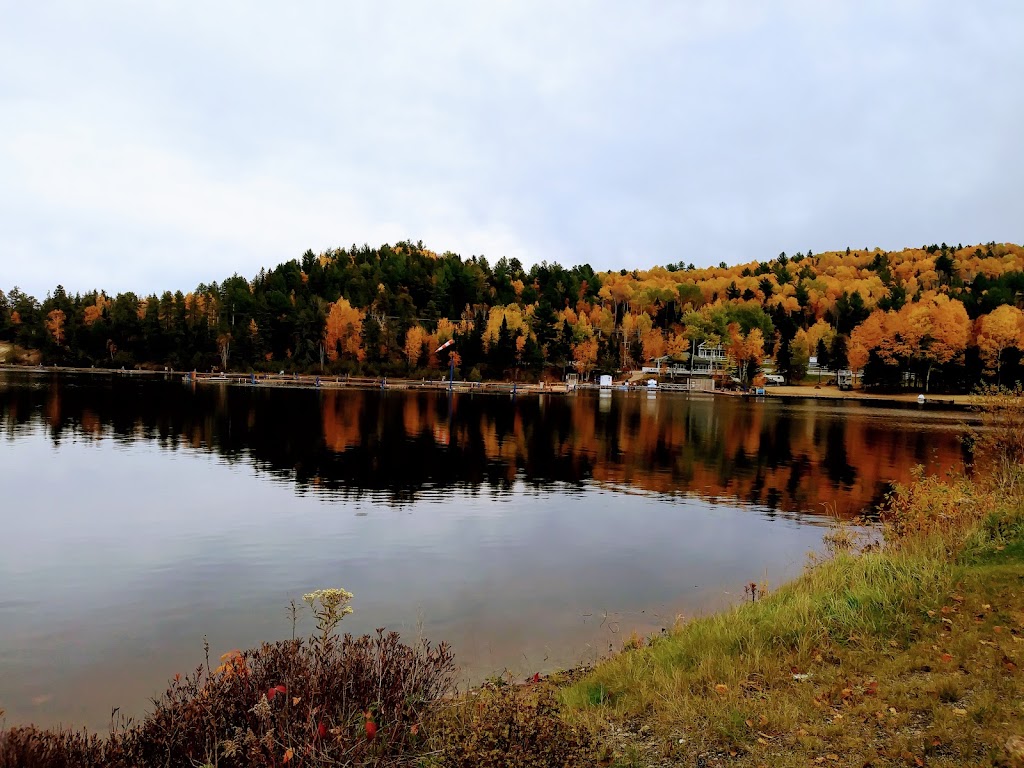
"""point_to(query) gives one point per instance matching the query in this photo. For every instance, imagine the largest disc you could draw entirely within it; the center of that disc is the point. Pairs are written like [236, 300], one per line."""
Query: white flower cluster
[333, 601]
[329, 606]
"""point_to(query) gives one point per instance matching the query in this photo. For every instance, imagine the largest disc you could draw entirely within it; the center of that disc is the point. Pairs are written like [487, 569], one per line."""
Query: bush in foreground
[325, 700]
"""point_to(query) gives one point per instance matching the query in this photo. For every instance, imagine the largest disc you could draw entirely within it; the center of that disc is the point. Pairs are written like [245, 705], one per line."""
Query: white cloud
[147, 147]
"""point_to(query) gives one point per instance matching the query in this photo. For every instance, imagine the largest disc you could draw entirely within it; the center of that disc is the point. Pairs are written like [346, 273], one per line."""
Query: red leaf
[272, 692]
[536, 677]
[321, 730]
[371, 729]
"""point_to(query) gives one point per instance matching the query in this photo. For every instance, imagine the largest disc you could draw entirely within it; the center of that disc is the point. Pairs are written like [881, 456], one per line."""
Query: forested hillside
[937, 316]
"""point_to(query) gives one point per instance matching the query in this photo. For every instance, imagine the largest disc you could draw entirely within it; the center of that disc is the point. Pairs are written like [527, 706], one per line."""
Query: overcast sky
[155, 145]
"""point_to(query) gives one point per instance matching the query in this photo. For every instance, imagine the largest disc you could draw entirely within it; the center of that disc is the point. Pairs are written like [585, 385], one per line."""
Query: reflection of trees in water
[838, 467]
[404, 444]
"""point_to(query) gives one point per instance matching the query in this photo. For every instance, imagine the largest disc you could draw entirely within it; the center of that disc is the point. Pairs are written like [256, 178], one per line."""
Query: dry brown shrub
[510, 726]
[327, 700]
[931, 509]
[997, 442]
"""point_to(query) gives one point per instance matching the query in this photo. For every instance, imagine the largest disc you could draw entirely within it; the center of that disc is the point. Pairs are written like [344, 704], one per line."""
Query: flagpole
[451, 363]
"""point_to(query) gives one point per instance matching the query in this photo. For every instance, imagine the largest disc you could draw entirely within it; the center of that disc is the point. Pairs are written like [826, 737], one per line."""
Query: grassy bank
[900, 653]
[902, 649]
[884, 656]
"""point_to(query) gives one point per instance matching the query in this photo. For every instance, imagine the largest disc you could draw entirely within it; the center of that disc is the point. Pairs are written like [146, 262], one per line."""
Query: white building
[709, 359]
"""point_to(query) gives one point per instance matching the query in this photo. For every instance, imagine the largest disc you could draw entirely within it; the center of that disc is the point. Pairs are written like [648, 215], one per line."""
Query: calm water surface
[139, 516]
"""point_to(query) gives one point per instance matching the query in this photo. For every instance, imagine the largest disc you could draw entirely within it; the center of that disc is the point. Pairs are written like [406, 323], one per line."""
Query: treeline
[935, 316]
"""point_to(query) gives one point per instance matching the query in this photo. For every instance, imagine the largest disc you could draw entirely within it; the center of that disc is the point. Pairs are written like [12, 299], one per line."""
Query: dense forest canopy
[933, 316]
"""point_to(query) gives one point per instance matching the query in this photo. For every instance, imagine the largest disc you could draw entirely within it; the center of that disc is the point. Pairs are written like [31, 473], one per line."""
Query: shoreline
[953, 402]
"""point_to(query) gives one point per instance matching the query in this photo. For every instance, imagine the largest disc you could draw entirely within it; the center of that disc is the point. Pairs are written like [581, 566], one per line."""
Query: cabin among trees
[935, 317]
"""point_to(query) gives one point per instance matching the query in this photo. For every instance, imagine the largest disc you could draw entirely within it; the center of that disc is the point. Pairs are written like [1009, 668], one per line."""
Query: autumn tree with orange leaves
[95, 311]
[944, 330]
[1001, 329]
[932, 332]
[415, 339]
[55, 325]
[343, 332]
[745, 350]
[584, 355]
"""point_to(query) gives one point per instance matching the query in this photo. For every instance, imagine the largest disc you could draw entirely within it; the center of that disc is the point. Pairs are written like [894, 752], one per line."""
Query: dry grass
[504, 724]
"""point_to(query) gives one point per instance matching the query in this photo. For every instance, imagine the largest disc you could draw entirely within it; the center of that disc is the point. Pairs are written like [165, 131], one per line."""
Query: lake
[141, 515]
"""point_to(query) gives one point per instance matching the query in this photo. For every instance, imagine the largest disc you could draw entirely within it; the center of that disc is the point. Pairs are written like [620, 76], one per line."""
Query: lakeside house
[709, 359]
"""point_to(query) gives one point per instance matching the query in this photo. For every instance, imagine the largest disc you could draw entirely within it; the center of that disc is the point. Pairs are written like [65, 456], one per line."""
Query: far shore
[441, 383]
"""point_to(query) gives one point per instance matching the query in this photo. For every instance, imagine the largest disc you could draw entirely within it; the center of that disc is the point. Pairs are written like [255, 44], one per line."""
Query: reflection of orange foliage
[90, 422]
[341, 418]
[414, 417]
[858, 456]
[804, 460]
[53, 407]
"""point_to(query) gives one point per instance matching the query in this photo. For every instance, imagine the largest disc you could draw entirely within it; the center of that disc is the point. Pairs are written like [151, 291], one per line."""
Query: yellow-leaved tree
[653, 343]
[512, 315]
[415, 338]
[944, 329]
[343, 332]
[584, 355]
[55, 325]
[865, 338]
[95, 311]
[999, 330]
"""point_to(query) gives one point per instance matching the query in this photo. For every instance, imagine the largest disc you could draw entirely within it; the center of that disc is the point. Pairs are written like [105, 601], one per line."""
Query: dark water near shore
[140, 515]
